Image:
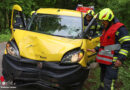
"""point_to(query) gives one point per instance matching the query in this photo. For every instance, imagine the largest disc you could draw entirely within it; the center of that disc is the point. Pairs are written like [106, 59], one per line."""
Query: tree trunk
[7, 19]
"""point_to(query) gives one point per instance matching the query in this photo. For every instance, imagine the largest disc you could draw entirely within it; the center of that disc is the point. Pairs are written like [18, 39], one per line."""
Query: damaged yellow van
[50, 50]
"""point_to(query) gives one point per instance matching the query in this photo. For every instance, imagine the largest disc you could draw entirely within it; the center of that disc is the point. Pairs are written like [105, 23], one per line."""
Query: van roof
[56, 11]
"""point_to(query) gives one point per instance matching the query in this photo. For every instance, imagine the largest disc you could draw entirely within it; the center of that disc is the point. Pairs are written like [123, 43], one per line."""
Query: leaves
[121, 8]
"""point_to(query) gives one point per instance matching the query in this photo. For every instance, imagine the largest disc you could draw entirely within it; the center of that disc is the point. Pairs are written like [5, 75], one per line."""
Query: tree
[120, 7]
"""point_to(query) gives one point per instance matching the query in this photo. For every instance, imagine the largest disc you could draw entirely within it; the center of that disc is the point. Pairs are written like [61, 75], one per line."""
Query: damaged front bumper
[50, 75]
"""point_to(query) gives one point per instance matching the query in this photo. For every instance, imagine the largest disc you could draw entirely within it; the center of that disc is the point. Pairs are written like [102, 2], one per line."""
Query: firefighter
[18, 23]
[113, 48]
[95, 28]
[88, 17]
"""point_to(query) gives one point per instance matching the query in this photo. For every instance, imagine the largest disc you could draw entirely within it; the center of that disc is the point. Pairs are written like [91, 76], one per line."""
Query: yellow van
[51, 50]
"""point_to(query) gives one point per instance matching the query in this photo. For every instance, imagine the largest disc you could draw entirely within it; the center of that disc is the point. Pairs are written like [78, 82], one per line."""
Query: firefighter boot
[109, 84]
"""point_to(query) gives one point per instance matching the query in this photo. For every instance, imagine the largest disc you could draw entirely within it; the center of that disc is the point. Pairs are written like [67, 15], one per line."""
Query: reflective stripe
[21, 26]
[97, 30]
[92, 27]
[106, 53]
[105, 59]
[123, 51]
[98, 45]
[117, 33]
[112, 84]
[18, 16]
[113, 47]
[123, 39]
[98, 26]
[114, 59]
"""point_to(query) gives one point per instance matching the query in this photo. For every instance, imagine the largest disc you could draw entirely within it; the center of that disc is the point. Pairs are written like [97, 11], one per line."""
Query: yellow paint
[17, 8]
[88, 44]
[43, 47]
[59, 12]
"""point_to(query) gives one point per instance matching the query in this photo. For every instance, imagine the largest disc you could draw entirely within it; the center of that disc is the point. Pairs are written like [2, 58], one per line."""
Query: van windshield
[64, 26]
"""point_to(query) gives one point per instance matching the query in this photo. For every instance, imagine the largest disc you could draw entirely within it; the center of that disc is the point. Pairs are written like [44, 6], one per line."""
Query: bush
[5, 36]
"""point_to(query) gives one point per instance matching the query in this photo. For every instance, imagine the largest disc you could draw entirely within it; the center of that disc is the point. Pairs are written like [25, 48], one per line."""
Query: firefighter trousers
[108, 75]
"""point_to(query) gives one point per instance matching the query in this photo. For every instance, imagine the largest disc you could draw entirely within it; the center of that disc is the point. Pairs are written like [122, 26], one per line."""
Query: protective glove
[92, 50]
[118, 63]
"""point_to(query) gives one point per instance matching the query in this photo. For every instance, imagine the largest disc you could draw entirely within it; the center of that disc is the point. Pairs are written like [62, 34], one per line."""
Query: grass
[5, 36]
[124, 75]
[93, 80]
[123, 82]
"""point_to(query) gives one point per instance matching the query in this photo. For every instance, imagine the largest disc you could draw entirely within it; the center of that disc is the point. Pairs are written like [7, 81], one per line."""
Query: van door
[17, 19]
[91, 44]
[92, 37]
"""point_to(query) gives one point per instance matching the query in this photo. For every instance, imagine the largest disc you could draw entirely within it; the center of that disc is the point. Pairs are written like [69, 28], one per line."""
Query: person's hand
[92, 50]
[118, 63]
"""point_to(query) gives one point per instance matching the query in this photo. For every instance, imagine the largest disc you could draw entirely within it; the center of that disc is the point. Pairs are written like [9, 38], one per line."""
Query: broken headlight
[73, 56]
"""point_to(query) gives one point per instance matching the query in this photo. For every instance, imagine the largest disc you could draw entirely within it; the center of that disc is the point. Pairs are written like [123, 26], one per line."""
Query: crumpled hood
[43, 47]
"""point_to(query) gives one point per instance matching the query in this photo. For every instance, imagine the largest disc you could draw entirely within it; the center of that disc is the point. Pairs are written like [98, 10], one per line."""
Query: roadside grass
[123, 82]
[124, 75]
[93, 80]
[5, 36]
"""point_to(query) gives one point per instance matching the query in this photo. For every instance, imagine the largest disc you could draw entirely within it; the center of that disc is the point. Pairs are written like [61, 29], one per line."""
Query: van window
[64, 26]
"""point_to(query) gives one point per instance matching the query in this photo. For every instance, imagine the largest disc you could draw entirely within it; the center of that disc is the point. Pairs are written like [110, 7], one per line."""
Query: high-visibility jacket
[108, 46]
[95, 28]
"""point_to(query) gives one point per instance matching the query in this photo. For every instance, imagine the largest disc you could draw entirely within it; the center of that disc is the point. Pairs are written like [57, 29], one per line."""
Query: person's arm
[97, 47]
[124, 40]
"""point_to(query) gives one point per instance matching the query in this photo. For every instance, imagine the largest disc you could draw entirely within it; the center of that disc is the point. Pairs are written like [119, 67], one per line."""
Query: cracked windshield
[64, 26]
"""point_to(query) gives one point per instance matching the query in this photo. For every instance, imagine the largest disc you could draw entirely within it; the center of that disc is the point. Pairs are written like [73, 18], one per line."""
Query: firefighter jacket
[114, 44]
[95, 28]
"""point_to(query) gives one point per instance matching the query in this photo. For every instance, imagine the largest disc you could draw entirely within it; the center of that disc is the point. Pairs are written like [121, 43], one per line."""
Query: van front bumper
[47, 74]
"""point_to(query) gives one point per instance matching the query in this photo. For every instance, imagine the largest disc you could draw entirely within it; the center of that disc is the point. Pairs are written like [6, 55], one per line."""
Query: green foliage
[124, 76]
[5, 36]
[6, 8]
[120, 8]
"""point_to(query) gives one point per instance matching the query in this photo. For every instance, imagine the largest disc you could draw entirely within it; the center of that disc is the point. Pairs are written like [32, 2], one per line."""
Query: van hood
[42, 47]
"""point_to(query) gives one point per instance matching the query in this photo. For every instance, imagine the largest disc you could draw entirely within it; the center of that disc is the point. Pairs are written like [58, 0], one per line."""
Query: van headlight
[12, 49]
[73, 57]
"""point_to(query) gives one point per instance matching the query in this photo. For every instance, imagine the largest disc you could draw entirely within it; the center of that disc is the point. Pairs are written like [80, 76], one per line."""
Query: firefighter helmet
[106, 14]
[90, 12]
